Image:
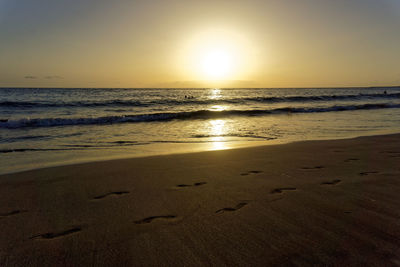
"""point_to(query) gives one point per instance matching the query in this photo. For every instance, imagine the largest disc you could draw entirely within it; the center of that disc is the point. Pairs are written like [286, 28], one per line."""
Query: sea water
[42, 127]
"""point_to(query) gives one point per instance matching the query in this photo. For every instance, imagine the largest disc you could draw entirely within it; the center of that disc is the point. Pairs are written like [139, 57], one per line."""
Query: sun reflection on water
[218, 108]
[217, 127]
[217, 130]
[215, 93]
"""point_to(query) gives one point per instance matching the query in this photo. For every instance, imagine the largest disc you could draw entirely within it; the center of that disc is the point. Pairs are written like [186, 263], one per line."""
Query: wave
[22, 138]
[137, 103]
[28, 104]
[323, 98]
[8, 140]
[28, 150]
[189, 115]
[233, 135]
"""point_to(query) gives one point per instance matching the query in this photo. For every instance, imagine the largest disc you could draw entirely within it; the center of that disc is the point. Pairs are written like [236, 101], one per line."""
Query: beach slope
[308, 203]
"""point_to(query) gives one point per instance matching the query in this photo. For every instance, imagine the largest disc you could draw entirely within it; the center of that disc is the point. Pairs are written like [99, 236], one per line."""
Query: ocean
[41, 127]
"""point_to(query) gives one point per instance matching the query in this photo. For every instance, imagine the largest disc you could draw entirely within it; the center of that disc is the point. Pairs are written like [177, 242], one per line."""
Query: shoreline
[307, 203]
[237, 146]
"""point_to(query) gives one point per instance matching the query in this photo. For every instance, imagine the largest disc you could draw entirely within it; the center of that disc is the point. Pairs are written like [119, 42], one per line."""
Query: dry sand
[308, 203]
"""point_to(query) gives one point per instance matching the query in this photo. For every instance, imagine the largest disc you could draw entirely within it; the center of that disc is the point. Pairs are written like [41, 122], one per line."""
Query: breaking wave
[190, 115]
[144, 103]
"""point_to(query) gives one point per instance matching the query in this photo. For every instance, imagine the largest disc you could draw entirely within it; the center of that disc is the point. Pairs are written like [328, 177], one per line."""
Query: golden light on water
[217, 129]
[217, 108]
[215, 93]
[218, 145]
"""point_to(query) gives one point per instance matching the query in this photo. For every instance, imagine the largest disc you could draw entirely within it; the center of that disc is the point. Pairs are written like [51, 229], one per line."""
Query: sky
[207, 43]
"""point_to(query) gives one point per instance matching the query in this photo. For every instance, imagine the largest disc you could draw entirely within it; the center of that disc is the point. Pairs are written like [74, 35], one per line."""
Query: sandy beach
[331, 203]
[199, 133]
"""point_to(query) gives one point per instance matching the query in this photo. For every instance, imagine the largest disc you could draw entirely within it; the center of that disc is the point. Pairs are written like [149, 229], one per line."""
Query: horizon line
[301, 87]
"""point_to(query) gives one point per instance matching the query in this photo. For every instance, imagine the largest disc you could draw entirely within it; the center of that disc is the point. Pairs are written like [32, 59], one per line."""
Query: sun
[217, 64]
[216, 56]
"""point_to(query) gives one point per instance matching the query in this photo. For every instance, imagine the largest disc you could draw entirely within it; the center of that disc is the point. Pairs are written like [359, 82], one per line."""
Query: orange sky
[308, 43]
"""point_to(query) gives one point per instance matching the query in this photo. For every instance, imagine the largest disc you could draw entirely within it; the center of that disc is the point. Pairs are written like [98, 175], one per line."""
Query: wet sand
[308, 203]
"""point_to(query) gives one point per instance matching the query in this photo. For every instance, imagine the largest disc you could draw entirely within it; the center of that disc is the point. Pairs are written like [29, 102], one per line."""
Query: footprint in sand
[183, 185]
[282, 189]
[152, 218]
[250, 172]
[11, 213]
[313, 168]
[351, 159]
[189, 185]
[110, 194]
[333, 182]
[238, 206]
[57, 234]
[392, 154]
[367, 173]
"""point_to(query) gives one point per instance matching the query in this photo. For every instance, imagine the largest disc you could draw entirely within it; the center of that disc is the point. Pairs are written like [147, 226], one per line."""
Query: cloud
[53, 77]
[48, 77]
